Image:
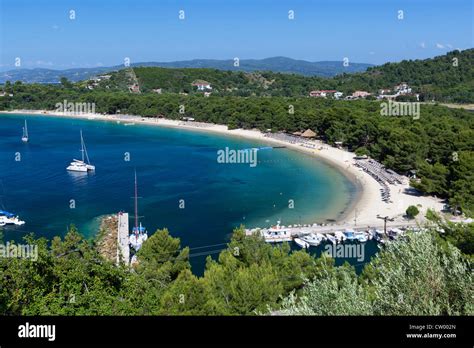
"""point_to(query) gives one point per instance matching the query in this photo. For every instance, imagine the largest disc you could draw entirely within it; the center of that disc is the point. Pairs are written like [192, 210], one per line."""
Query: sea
[182, 186]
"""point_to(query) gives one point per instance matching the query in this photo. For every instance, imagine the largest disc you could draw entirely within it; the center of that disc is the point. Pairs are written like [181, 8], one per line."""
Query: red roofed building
[201, 85]
[360, 94]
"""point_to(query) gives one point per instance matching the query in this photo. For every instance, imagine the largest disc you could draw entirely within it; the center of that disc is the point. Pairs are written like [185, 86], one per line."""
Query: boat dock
[123, 248]
[294, 231]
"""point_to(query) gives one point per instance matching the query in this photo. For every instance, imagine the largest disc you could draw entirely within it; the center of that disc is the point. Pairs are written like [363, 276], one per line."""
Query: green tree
[412, 211]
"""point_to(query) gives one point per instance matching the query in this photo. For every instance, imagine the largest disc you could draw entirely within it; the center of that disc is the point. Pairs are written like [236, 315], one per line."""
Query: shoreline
[363, 208]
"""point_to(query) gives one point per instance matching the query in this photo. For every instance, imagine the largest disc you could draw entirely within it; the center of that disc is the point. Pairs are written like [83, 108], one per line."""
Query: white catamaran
[83, 165]
[24, 138]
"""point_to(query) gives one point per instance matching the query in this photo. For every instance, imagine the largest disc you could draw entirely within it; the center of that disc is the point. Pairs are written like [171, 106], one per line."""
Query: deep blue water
[171, 165]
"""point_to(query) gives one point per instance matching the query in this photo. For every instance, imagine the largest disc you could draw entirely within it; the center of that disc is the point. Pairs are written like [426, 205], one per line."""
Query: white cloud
[422, 45]
[438, 45]
[55, 27]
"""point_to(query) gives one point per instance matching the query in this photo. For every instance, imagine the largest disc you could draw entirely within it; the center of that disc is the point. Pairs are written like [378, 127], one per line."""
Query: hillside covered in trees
[250, 277]
[446, 78]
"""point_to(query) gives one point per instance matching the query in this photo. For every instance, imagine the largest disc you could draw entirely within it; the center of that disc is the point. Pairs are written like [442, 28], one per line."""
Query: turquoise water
[172, 165]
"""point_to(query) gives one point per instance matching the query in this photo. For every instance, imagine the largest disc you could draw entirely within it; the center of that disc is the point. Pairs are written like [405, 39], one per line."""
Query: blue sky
[104, 32]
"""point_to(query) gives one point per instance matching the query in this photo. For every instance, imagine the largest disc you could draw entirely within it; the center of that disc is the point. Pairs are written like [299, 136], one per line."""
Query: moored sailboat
[83, 165]
[139, 234]
[24, 137]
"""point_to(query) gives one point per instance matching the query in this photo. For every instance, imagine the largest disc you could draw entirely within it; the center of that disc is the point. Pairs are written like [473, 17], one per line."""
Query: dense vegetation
[447, 78]
[422, 275]
[414, 276]
[439, 145]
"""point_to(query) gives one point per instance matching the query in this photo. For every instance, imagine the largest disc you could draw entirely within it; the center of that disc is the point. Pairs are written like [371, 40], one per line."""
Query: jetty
[123, 246]
[113, 240]
[280, 233]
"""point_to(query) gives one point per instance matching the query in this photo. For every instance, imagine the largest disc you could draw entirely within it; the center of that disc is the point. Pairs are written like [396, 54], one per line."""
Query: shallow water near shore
[183, 187]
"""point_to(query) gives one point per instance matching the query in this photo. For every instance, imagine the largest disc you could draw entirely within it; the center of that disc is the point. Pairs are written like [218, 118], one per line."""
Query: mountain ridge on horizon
[280, 64]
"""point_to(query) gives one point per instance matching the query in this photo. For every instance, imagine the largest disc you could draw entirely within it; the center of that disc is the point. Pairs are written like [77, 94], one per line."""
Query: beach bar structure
[308, 134]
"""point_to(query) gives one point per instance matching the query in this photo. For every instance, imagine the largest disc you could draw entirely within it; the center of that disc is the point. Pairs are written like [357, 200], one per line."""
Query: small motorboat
[7, 218]
[394, 233]
[322, 236]
[331, 238]
[370, 234]
[301, 243]
[379, 236]
[360, 236]
[312, 239]
[340, 237]
[350, 234]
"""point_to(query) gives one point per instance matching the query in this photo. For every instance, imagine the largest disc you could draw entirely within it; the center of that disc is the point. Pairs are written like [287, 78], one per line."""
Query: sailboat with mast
[83, 165]
[24, 138]
[139, 233]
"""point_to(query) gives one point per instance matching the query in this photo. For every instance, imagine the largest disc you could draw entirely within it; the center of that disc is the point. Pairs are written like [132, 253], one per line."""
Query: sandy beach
[362, 212]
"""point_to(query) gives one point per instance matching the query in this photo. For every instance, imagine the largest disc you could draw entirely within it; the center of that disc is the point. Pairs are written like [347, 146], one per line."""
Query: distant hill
[223, 82]
[40, 75]
[275, 64]
[447, 78]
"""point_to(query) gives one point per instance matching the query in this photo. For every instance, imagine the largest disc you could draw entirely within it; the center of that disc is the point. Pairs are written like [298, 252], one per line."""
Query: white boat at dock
[301, 243]
[331, 238]
[370, 234]
[83, 165]
[322, 236]
[138, 237]
[394, 233]
[139, 234]
[276, 234]
[313, 239]
[315, 234]
[350, 234]
[340, 237]
[380, 236]
[360, 236]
